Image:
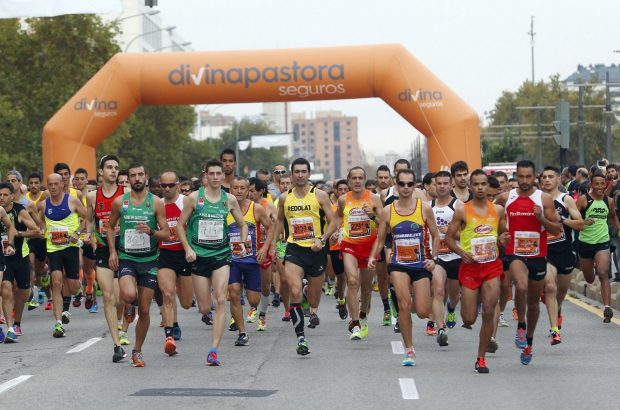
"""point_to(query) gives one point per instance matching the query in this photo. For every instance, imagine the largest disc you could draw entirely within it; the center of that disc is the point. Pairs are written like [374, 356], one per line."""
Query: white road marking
[408, 389]
[397, 347]
[85, 345]
[14, 382]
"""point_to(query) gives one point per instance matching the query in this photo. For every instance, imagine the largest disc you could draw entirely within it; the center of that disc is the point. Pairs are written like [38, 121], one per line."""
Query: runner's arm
[163, 233]
[189, 203]
[32, 228]
[429, 219]
[326, 205]
[576, 221]
[612, 218]
[549, 217]
[382, 227]
[235, 211]
[114, 217]
[10, 230]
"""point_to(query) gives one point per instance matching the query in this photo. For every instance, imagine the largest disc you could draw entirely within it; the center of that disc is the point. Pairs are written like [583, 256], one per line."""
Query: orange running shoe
[170, 347]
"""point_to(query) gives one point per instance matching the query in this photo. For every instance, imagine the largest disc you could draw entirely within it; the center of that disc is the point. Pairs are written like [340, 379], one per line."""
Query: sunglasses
[172, 185]
[186, 191]
[280, 172]
[406, 184]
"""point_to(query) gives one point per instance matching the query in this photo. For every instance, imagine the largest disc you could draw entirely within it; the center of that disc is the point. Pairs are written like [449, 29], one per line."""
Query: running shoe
[375, 287]
[442, 337]
[33, 304]
[94, 308]
[302, 347]
[314, 321]
[212, 359]
[170, 348]
[608, 313]
[207, 319]
[342, 309]
[356, 333]
[2, 319]
[137, 359]
[492, 346]
[502, 321]
[287, 316]
[122, 337]
[2, 335]
[515, 314]
[430, 329]
[481, 366]
[329, 291]
[251, 317]
[10, 337]
[59, 331]
[387, 318]
[49, 305]
[66, 317]
[18, 330]
[364, 328]
[176, 332]
[277, 300]
[77, 300]
[262, 323]
[98, 292]
[242, 340]
[409, 359]
[560, 320]
[130, 313]
[526, 355]
[41, 297]
[520, 340]
[119, 354]
[45, 280]
[88, 302]
[555, 338]
[451, 319]
[119, 324]
[233, 326]
[396, 327]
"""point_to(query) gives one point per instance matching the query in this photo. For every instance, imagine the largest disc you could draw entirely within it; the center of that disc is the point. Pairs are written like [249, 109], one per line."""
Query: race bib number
[303, 228]
[136, 242]
[359, 226]
[59, 235]
[210, 231]
[443, 248]
[174, 238]
[556, 238]
[526, 243]
[484, 249]
[236, 247]
[5, 243]
[103, 228]
[262, 238]
[408, 250]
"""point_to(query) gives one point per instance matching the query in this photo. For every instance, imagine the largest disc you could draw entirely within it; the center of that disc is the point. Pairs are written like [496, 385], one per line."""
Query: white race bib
[210, 231]
[526, 243]
[136, 242]
[484, 249]
[5, 243]
[408, 250]
[303, 228]
[59, 235]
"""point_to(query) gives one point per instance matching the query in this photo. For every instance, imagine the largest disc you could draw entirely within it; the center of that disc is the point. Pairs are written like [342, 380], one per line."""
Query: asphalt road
[579, 373]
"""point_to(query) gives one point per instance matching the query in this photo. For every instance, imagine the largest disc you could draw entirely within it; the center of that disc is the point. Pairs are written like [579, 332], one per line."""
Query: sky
[478, 48]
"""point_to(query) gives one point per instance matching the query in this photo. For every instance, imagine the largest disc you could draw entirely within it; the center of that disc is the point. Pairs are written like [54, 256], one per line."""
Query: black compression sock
[530, 340]
[168, 331]
[521, 325]
[175, 324]
[297, 317]
[386, 304]
[66, 302]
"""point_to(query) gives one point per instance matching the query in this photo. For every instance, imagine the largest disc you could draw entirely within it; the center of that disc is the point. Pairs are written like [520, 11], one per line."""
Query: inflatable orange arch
[389, 72]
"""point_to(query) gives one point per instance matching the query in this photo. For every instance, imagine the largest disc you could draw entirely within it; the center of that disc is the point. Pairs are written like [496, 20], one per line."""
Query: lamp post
[169, 29]
[148, 13]
[187, 43]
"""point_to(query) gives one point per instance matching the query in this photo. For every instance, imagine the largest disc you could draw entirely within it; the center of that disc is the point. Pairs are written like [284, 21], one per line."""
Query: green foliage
[545, 94]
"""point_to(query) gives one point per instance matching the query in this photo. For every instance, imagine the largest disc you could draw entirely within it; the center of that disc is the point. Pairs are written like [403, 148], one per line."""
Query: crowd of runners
[223, 242]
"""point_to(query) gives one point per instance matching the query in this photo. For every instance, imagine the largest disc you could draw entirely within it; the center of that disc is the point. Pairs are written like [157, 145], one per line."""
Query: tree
[508, 149]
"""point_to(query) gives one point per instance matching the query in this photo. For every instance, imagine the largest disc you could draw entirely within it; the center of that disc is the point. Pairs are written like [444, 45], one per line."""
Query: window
[336, 130]
[337, 160]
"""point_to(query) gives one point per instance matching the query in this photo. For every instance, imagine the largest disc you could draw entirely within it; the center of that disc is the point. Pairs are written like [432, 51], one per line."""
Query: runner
[207, 246]
[99, 209]
[384, 181]
[342, 187]
[358, 209]
[560, 256]
[228, 158]
[530, 215]
[141, 217]
[478, 223]
[281, 287]
[173, 271]
[460, 174]
[88, 256]
[300, 209]
[59, 217]
[411, 263]
[598, 213]
[429, 187]
[7, 236]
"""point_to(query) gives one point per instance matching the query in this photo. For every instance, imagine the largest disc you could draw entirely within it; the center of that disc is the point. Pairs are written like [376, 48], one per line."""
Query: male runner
[281, 287]
[530, 215]
[80, 181]
[342, 187]
[429, 187]
[207, 245]
[410, 220]
[7, 232]
[274, 187]
[228, 158]
[141, 217]
[384, 182]
[358, 209]
[300, 209]
[478, 223]
[460, 173]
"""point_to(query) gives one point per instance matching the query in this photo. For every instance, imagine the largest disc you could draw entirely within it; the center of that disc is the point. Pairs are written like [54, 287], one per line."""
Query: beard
[137, 187]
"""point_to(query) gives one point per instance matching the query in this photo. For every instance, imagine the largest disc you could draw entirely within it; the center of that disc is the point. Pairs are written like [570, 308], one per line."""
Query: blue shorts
[249, 273]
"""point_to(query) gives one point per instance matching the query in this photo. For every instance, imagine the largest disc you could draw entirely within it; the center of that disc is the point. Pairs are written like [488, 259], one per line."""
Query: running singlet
[137, 246]
[597, 210]
[409, 236]
[234, 234]
[173, 212]
[60, 224]
[261, 231]
[443, 217]
[357, 227]
[37, 200]
[103, 209]
[562, 241]
[303, 217]
[528, 237]
[207, 228]
[479, 236]
[21, 247]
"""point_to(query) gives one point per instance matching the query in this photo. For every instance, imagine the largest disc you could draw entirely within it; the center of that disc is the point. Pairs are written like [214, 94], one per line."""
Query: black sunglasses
[171, 185]
[280, 172]
[406, 184]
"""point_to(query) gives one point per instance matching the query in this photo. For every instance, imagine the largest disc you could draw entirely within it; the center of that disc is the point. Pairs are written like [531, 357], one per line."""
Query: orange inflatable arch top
[389, 72]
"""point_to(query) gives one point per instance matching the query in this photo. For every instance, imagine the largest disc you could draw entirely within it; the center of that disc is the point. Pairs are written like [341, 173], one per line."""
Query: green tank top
[597, 210]
[207, 228]
[133, 245]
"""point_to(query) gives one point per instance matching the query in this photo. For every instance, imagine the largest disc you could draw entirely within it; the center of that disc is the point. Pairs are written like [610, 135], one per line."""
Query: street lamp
[148, 13]
[173, 45]
[169, 29]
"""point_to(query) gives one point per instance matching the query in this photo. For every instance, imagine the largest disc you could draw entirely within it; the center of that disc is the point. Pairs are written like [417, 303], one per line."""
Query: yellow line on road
[598, 312]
